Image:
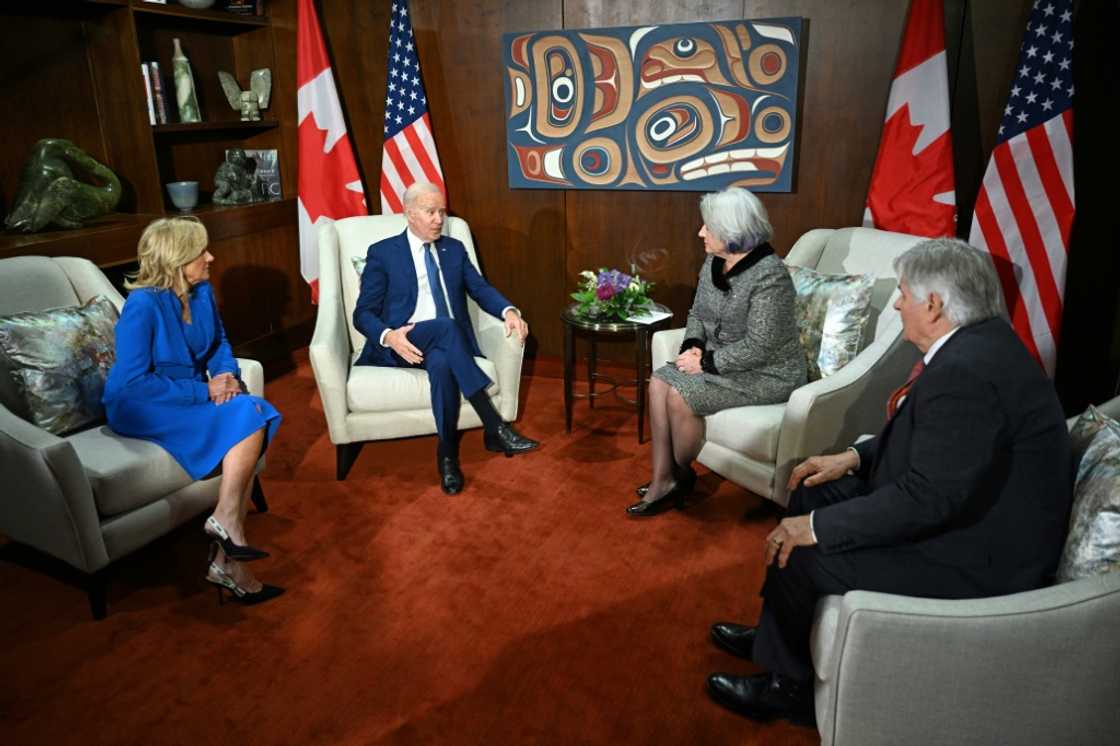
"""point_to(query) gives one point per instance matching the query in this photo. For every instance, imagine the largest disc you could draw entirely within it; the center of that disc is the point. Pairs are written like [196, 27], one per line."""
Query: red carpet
[527, 610]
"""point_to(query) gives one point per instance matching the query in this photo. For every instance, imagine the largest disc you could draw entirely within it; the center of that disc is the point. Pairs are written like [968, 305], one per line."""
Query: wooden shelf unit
[73, 72]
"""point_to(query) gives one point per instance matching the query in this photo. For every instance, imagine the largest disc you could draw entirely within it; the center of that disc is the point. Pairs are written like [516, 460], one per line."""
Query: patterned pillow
[359, 262]
[1093, 544]
[1091, 421]
[59, 360]
[831, 313]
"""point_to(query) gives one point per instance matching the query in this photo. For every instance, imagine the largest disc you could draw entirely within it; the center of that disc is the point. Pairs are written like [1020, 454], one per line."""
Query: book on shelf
[245, 7]
[158, 92]
[148, 92]
[267, 180]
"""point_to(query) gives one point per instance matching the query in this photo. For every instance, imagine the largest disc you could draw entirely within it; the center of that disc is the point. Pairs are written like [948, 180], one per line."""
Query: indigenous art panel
[685, 107]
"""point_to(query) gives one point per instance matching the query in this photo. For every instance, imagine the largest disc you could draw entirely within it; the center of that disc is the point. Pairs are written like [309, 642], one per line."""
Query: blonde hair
[166, 246]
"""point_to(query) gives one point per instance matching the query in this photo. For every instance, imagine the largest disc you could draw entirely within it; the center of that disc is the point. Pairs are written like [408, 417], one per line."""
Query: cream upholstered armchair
[757, 447]
[366, 402]
[91, 497]
[1036, 668]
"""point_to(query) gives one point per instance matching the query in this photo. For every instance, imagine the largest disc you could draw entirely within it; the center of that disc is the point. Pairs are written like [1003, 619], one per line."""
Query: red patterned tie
[901, 392]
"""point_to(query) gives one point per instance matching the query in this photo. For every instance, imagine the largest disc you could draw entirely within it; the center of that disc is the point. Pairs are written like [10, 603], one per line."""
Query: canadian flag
[912, 183]
[330, 186]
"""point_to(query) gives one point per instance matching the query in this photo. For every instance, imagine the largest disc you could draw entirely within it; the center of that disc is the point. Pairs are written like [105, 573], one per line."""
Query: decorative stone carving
[249, 102]
[51, 195]
[235, 180]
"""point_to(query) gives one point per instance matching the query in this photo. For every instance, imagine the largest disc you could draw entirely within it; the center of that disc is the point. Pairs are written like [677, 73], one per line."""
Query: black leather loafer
[737, 639]
[508, 441]
[450, 475]
[764, 696]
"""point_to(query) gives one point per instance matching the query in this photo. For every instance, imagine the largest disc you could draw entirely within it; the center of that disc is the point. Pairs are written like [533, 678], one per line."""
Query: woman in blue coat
[169, 338]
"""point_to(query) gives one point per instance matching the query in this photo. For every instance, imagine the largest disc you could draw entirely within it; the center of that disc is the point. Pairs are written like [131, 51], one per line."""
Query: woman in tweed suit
[741, 346]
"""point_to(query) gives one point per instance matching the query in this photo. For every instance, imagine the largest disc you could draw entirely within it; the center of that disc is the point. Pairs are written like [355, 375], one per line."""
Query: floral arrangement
[611, 294]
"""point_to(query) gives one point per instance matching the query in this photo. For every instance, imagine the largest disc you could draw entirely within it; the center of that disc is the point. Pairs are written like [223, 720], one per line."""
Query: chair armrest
[49, 503]
[1036, 667]
[507, 354]
[665, 346]
[843, 406]
[330, 361]
[252, 374]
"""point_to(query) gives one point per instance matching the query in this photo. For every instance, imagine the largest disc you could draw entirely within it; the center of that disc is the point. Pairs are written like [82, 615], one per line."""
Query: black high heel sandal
[225, 582]
[234, 551]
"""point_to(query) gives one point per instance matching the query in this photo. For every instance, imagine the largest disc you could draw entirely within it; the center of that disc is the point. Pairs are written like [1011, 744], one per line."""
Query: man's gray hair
[963, 277]
[736, 217]
[416, 189]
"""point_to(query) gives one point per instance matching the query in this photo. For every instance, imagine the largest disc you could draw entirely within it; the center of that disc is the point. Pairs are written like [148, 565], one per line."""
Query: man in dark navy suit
[412, 309]
[965, 493]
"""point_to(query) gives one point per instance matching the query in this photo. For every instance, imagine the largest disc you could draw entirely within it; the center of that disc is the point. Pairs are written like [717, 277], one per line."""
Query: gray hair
[963, 277]
[736, 217]
[417, 188]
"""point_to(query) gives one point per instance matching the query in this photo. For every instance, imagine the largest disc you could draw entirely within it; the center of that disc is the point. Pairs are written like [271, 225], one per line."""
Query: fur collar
[722, 280]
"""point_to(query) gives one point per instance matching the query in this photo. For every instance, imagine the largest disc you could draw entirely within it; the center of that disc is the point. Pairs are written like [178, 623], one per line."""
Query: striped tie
[901, 392]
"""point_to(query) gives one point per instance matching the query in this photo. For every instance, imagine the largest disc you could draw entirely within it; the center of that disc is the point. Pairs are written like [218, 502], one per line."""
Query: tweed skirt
[701, 395]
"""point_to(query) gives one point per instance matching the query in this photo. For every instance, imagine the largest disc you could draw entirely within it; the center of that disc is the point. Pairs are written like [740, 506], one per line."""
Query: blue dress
[157, 389]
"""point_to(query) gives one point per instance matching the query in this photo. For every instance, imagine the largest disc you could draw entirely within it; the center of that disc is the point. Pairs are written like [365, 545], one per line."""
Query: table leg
[641, 345]
[569, 369]
[592, 360]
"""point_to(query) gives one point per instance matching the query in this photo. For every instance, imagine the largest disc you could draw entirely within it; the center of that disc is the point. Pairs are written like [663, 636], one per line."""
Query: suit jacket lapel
[412, 282]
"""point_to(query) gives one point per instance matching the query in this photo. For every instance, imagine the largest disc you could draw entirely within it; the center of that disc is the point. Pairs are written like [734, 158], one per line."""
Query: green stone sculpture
[50, 193]
[235, 181]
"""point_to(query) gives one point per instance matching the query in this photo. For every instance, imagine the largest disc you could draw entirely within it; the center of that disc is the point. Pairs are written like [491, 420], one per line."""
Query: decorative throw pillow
[59, 360]
[831, 313]
[1091, 421]
[359, 263]
[1093, 544]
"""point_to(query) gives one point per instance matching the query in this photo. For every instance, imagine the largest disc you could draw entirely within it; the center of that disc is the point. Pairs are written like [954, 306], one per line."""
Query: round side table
[594, 331]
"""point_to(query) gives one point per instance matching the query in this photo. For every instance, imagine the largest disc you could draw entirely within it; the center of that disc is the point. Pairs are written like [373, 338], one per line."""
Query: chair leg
[347, 454]
[97, 588]
[257, 496]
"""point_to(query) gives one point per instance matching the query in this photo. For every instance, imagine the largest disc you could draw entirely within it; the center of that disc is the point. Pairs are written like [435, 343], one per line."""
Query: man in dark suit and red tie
[412, 309]
[965, 493]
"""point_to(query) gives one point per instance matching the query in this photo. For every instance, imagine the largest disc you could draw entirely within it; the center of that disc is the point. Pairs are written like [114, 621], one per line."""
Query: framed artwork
[686, 107]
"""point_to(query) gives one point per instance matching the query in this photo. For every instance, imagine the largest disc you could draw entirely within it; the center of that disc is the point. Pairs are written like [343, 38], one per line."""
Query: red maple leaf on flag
[323, 179]
[905, 184]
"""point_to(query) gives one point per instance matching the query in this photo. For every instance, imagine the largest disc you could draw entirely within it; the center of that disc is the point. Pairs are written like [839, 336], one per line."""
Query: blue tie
[434, 283]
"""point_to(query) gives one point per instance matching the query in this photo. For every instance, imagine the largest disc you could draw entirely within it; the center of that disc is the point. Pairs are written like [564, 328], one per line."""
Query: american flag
[409, 154]
[1025, 207]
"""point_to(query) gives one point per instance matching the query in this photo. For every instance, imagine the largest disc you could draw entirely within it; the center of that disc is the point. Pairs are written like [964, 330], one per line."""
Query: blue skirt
[198, 436]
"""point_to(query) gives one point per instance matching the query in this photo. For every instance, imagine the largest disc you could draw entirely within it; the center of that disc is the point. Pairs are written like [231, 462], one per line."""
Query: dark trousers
[451, 369]
[790, 595]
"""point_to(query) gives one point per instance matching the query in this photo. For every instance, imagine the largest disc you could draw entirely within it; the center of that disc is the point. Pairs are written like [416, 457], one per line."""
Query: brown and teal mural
[688, 107]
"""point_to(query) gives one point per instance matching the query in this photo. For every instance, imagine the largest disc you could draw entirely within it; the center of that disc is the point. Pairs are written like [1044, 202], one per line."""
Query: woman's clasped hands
[224, 387]
[689, 361]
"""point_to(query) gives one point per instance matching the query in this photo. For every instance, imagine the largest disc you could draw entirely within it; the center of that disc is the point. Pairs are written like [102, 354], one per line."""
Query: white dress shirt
[933, 348]
[425, 301]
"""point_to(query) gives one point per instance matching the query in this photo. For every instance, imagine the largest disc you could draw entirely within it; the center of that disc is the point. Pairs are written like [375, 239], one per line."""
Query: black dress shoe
[508, 441]
[737, 639]
[764, 696]
[450, 475]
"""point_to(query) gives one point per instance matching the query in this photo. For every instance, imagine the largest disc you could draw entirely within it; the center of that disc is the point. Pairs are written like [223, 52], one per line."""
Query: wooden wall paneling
[654, 231]
[284, 88]
[356, 35]
[519, 234]
[44, 54]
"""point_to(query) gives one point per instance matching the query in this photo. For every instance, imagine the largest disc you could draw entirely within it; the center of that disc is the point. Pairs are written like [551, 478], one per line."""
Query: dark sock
[491, 420]
[447, 449]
